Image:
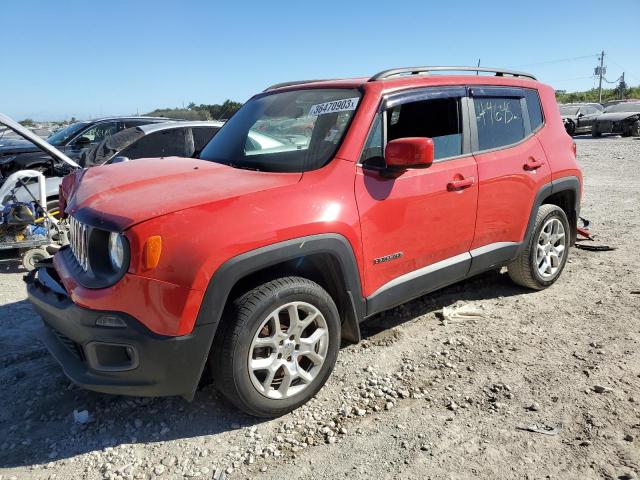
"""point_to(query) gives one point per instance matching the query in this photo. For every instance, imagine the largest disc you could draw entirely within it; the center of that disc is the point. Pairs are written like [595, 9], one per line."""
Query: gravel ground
[419, 397]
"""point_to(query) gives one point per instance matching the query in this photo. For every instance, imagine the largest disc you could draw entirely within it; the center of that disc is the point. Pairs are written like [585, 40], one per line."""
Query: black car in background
[21, 155]
[579, 117]
[167, 139]
[621, 118]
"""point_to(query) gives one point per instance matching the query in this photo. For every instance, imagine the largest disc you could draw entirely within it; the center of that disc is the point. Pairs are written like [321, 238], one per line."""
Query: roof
[156, 127]
[130, 117]
[415, 76]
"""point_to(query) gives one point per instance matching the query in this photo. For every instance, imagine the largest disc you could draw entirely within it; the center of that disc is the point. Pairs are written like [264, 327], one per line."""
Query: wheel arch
[564, 192]
[327, 259]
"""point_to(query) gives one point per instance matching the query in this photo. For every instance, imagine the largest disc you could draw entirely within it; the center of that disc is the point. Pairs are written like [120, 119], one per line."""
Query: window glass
[292, 131]
[439, 119]
[533, 106]
[202, 136]
[166, 143]
[372, 150]
[499, 121]
[100, 131]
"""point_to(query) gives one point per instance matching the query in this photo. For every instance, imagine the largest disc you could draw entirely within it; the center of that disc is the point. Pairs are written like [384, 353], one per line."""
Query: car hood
[616, 116]
[122, 195]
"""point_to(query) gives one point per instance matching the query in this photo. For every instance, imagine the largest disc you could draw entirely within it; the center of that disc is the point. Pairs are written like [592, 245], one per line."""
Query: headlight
[116, 250]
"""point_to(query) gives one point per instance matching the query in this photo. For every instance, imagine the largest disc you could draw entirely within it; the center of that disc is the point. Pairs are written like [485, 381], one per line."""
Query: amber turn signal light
[152, 251]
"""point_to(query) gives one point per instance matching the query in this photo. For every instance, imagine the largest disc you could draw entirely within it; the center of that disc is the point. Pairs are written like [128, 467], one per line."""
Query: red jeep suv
[317, 205]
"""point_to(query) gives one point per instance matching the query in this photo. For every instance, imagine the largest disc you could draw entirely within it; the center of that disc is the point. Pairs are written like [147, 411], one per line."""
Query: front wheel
[545, 256]
[276, 347]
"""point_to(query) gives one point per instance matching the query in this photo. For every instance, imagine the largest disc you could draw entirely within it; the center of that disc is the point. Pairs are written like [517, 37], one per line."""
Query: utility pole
[622, 87]
[600, 72]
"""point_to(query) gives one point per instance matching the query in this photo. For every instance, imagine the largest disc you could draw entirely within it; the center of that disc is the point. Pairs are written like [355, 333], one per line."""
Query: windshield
[569, 110]
[61, 136]
[623, 107]
[292, 131]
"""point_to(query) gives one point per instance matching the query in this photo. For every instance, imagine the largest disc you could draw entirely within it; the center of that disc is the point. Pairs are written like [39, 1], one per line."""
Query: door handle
[454, 185]
[532, 164]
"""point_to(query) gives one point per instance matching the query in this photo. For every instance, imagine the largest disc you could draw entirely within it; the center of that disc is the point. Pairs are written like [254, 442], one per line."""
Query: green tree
[27, 122]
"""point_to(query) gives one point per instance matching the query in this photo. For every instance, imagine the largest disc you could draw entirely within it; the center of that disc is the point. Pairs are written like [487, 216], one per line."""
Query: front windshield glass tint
[624, 107]
[292, 131]
[568, 110]
[62, 136]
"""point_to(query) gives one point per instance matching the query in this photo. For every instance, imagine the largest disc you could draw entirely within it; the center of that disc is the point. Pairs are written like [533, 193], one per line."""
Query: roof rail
[499, 72]
[290, 84]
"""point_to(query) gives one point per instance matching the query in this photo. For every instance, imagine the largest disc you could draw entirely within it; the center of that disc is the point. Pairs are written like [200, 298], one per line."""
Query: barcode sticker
[335, 106]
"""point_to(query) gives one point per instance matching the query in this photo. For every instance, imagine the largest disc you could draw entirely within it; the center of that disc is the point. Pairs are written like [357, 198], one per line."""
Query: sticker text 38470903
[343, 105]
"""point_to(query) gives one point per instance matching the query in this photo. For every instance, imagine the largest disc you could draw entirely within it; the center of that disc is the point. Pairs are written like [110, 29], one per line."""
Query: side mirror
[580, 115]
[119, 159]
[410, 152]
[82, 142]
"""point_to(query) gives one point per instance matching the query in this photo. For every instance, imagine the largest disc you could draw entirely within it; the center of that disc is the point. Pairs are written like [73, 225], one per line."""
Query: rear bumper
[124, 360]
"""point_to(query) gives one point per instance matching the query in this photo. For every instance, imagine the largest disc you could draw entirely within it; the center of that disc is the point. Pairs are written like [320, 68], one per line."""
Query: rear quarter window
[499, 121]
[534, 108]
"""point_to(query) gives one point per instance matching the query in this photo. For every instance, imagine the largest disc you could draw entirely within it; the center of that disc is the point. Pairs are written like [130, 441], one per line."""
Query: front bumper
[125, 360]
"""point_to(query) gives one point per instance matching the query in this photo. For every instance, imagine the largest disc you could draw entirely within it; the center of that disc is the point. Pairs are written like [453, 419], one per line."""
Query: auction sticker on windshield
[343, 105]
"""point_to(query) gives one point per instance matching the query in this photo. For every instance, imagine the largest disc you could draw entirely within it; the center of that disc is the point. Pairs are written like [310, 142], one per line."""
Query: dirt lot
[418, 398]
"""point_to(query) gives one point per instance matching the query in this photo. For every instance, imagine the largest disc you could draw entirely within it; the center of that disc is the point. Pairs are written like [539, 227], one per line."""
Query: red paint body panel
[164, 308]
[208, 213]
[417, 215]
[131, 192]
[507, 191]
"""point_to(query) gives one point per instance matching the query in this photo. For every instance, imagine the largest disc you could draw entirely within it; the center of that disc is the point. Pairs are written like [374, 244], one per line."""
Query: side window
[439, 119]
[534, 108]
[499, 121]
[101, 131]
[372, 152]
[166, 143]
[201, 136]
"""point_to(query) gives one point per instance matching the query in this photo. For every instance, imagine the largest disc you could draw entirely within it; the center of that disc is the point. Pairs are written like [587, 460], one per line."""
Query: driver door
[417, 228]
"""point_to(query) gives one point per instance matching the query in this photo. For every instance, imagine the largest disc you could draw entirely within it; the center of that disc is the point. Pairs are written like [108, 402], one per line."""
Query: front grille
[74, 348]
[79, 242]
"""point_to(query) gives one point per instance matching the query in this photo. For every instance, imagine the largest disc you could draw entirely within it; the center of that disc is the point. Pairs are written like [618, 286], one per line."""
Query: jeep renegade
[316, 206]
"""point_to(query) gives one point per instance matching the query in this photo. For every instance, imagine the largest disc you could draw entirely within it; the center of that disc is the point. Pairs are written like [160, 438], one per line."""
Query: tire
[527, 269]
[595, 133]
[570, 127]
[31, 257]
[634, 129]
[251, 318]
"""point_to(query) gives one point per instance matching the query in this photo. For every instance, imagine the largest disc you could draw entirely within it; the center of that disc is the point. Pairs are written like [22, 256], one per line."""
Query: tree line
[622, 91]
[203, 111]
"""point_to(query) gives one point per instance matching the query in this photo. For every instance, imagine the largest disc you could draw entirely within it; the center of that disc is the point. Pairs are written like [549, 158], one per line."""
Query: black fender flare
[555, 186]
[237, 268]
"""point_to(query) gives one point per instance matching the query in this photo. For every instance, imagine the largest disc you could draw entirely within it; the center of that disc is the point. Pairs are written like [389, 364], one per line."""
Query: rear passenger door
[512, 166]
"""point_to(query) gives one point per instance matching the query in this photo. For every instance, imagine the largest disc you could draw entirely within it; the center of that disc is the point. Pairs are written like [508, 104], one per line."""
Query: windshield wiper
[243, 167]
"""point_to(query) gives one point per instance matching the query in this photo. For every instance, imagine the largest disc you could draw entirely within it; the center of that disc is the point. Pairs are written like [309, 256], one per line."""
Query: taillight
[574, 149]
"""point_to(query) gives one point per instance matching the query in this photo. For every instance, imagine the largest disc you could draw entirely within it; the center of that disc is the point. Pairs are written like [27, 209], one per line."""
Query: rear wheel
[544, 258]
[277, 346]
[634, 129]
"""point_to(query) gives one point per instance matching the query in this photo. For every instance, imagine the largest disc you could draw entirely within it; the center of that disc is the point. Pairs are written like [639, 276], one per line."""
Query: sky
[89, 59]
